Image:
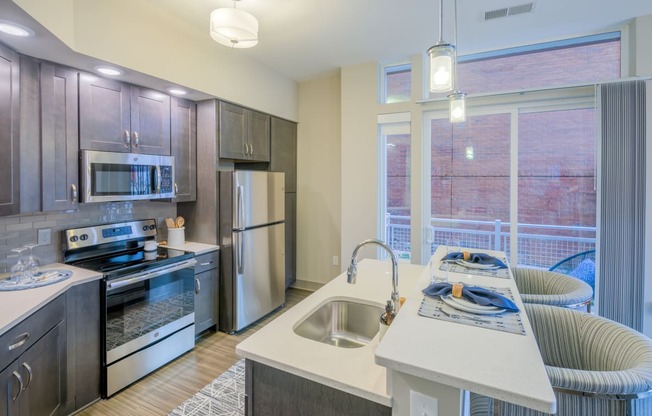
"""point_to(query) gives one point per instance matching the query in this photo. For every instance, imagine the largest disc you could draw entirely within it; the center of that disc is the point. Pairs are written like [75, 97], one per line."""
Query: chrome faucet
[353, 268]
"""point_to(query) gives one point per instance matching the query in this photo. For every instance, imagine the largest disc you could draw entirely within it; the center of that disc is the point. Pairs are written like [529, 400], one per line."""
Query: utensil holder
[176, 237]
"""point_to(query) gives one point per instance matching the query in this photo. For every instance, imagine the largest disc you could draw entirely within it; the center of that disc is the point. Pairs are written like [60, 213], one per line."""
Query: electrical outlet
[422, 405]
[44, 236]
[336, 261]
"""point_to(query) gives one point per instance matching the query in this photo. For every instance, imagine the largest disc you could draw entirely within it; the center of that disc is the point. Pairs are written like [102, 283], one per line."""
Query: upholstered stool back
[550, 288]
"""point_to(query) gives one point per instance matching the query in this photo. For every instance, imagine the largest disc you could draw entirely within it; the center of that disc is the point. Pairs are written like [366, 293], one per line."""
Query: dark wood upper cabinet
[118, 117]
[284, 151]
[59, 138]
[184, 148]
[244, 133]
[9, 132]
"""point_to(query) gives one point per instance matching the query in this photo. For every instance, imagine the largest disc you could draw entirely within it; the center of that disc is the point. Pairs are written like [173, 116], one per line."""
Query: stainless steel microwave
[109, 176]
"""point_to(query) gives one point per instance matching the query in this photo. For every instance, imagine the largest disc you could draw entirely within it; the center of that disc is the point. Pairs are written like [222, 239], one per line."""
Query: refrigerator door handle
[240, 253]
[239, 208]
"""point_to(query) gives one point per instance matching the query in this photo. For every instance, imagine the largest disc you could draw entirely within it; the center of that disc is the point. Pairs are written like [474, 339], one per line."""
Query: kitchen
[330, 109]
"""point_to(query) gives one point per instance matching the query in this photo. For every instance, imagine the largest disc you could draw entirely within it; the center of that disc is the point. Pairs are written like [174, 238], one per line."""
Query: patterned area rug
[224, 396]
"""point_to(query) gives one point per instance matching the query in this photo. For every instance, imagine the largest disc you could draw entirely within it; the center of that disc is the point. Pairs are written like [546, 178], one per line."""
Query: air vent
[509, 11]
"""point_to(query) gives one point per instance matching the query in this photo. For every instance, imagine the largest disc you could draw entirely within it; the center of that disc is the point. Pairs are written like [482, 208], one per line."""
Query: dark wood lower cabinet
[276, 393]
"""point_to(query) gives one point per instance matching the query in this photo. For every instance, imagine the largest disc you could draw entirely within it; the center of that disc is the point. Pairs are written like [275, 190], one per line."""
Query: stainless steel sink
[342, 323]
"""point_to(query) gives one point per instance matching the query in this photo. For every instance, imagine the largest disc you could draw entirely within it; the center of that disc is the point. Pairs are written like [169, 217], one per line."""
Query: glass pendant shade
[234, 28]
[442, 68]
[457, 104]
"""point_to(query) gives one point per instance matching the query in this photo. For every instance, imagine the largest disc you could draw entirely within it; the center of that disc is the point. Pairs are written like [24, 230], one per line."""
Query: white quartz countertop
[498, 364]
[197, 248]
[17, 305]
[351, 370]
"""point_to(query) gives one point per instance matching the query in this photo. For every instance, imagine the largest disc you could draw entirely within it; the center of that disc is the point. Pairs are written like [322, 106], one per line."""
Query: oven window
[109, 179]
[143, 307]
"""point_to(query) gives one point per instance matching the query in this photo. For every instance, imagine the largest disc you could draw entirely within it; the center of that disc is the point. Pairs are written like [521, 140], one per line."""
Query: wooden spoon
[180, 221]
[170, 223]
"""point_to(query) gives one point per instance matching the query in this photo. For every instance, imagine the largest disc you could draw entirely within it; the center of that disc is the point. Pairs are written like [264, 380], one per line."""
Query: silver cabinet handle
[251, 146]
[20, 387]
[19, 340]
[29, 373]
[73, 189]
[176, 189]
[197, 286]
[127, 139]
[135, 139]
[206, 263]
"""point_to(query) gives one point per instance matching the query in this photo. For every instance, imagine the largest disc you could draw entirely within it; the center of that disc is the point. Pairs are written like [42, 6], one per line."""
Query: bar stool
[596, 366]
[551, 288]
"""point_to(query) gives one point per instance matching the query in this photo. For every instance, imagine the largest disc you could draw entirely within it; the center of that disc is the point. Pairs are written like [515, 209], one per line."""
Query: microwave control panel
[167, 184]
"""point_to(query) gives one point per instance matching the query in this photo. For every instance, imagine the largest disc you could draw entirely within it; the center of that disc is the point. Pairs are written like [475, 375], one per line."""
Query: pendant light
[233, 27]
[457, 104]
[442, 61]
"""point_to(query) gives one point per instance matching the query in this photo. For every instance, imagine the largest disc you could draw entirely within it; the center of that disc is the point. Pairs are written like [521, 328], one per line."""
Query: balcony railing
[538, 245]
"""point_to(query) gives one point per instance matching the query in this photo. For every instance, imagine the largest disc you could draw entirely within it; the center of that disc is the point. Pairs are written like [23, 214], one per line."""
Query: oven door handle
[116, 284]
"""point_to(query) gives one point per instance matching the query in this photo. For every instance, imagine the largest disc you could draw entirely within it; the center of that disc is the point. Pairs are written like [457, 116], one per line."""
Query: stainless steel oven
[148, 302]
[150, 319]
[109, 176]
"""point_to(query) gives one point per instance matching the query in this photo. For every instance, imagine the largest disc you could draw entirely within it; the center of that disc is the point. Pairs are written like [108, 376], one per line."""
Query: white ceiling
[305, 38]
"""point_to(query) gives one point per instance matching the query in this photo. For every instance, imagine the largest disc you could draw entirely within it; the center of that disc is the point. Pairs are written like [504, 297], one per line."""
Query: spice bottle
[386, 318]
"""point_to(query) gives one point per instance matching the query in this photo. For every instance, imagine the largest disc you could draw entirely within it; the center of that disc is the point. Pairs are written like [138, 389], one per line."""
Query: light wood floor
[169, 386]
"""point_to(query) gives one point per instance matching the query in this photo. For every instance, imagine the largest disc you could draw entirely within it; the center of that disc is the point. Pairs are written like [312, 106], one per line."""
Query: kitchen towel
[477, 294]
[479, 258]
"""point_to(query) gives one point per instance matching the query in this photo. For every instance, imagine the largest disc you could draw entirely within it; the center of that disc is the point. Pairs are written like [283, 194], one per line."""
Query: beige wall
[319, 180]
[642, 33]
[167, 48]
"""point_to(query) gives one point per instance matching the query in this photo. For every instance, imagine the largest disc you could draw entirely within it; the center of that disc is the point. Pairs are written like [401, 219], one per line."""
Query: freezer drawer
[258, 273]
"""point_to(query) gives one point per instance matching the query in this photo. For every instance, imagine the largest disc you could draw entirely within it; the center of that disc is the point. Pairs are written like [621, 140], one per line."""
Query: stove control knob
[74, 239]
[145, 228]
[151, 227]
[83, 237]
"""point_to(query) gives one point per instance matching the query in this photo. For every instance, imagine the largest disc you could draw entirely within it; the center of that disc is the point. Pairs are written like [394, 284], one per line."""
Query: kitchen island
[438, 359]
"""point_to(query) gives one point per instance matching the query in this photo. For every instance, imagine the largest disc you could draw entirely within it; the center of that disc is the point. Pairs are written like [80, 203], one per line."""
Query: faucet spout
[353, 268]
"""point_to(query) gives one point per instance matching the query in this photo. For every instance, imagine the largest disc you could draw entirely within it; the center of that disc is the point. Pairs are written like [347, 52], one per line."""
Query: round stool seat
[551, 288]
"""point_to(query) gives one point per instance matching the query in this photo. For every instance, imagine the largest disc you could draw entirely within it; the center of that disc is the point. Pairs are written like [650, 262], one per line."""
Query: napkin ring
[456, 290]
[466, 256]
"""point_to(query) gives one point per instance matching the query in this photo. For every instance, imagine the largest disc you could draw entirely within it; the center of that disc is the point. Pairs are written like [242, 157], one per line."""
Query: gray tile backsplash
[18, 230]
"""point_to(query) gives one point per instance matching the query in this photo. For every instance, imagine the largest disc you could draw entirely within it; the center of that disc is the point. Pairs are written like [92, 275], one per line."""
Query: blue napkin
[479, 258]
[479, 295]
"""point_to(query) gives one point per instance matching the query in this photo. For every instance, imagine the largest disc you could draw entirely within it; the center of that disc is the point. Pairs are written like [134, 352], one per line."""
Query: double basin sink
[343, 323]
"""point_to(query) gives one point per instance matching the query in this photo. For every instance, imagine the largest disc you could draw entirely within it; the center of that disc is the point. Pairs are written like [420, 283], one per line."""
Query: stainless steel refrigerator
[252, 246]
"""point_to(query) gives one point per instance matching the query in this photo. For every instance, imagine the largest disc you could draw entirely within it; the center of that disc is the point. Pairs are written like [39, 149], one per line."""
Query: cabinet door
[184, 148]
[43, 368]
[59, 138]
[10, 385]
[258, 136]
[205, 300]
[83, 344]
[284, 151]
[233, 132]
[290, 239]
[9, 132]
[150, 122]
[103, 114]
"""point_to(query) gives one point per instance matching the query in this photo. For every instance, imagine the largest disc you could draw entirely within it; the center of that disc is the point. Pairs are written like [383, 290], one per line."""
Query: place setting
[486, 307]
[480, 264]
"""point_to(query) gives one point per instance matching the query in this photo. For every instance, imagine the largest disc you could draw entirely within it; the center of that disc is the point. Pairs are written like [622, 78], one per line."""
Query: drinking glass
[18, 269]
[32, 264]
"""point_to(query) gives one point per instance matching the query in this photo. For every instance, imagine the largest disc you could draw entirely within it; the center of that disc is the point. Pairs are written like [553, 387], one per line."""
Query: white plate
[468, 306]
[477, 265]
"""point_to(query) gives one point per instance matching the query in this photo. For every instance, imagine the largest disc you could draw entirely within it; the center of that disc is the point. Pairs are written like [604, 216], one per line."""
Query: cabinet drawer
[18, 339]
[207, 261]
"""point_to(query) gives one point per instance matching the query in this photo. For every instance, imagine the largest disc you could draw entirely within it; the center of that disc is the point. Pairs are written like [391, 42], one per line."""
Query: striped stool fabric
[551, 288]
[597, 367]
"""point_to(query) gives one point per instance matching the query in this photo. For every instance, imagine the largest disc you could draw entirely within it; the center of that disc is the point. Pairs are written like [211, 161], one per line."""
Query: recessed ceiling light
[177, 91]
[15, 29]
[107, 70]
